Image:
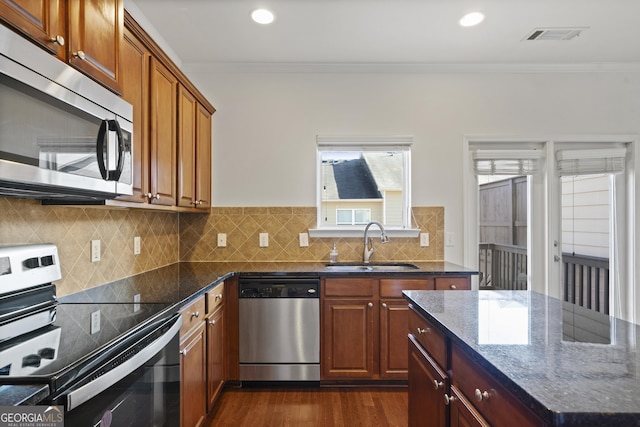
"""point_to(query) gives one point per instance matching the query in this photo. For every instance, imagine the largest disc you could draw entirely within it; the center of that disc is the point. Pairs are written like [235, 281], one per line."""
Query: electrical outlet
[304, 240]
[136, 245]
[95, 322]
[424, 239]
[264, 240]
[449, 239]
[136, 303]
[95, 250]
[222, 240]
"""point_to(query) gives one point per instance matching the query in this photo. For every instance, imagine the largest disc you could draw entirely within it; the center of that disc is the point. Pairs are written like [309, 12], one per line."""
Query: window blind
[572, 162]
[506, 162]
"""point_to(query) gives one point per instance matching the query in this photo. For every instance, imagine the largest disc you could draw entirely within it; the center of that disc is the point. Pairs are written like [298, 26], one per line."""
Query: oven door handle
[84, 393]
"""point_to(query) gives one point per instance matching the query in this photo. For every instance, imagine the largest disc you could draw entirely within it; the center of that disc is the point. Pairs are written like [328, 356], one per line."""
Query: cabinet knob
[370, 304]
[197, 203]
[218, 296]
[183, 352]
[212, 322]
[384, 304]
[195, 314]
[80, 55]
[437, 384]
[452, 287]
[422, 330]
[59, 40]
[449, 399]
[481, 395]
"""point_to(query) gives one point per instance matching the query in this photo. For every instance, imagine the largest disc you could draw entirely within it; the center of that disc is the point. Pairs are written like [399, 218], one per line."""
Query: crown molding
[345, 68]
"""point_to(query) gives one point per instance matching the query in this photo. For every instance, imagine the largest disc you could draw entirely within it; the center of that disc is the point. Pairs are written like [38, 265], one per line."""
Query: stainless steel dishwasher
[279, 328]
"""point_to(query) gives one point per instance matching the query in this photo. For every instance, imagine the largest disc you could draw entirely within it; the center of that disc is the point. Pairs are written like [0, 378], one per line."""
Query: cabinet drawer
[347, 287]
[497, 405]
[452, 283]
[215, 297]
[192, 316]
[392, 288]
[431, 338]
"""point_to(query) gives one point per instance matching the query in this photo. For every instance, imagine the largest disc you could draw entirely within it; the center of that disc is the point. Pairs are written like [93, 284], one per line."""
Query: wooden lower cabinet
[193, 391]
[348, 339]
[427, 386]
[216, 348]
[462, 413]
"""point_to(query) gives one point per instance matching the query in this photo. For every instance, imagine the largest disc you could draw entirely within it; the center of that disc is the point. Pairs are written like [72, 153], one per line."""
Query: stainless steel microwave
[62, 135]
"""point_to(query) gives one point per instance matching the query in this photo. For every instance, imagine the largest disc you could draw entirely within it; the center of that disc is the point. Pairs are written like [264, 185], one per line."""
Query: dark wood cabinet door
[186, 148]
[203, 157]
[95, 34]
[135, 90]
[215, 356]
[427, 387]
[348, 338]
[162, 112]
[193, 381]
[40, 21]
[394, 318]
[462, 413]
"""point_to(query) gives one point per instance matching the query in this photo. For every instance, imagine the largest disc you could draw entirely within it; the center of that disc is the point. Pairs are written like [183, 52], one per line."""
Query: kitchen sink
[391, 266]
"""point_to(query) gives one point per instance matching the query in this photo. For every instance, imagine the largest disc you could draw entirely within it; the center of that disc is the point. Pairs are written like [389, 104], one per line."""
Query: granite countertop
[182, 281]
[571, 365]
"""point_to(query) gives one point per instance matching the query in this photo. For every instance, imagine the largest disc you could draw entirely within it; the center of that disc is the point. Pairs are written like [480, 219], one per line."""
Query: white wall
[265, 125]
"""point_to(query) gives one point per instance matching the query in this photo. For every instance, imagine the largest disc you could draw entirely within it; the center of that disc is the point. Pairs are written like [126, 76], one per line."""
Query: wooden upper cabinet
[41, 21]
[186, 148]
[135, 90]
[194, 152]
[203, 157]
[95, 34]
[162, 113]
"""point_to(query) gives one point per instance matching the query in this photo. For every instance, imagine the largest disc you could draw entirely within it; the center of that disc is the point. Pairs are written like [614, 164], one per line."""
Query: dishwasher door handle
[84, 393]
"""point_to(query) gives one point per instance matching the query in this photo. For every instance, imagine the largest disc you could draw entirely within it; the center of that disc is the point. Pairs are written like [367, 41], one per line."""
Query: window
[363, 179]
[353, 216]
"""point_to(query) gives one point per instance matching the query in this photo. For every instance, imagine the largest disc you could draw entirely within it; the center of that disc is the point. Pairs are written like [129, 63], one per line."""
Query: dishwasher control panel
[279, 288]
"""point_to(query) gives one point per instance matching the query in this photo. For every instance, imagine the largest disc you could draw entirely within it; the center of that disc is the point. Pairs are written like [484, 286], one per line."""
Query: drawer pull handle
[481, 395]
[196, 314]
[422, 330]
[449, 399]
[453, 287]
[437, 384]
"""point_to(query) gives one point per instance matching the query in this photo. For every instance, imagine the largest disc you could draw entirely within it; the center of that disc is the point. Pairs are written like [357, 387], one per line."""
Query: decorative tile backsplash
[198, 237]
[171, 237]
[73, 228]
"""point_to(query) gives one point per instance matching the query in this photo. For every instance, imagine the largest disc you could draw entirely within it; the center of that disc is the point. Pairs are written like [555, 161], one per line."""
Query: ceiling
[205, 33]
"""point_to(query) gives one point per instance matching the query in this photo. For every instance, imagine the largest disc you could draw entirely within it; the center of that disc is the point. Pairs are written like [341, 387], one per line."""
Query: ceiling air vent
[555, 33]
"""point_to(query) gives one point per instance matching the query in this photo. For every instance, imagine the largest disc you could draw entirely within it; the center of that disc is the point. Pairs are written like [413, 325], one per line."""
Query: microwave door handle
[115, 126]
[102, 135]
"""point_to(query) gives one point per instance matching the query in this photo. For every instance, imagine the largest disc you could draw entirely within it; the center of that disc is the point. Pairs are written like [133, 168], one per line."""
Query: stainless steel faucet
[368, 244]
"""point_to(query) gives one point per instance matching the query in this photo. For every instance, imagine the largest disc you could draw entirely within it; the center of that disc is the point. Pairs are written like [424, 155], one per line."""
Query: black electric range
[77, 338]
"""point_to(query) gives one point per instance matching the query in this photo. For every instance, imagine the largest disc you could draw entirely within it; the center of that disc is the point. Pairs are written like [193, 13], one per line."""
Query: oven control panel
[25, 266]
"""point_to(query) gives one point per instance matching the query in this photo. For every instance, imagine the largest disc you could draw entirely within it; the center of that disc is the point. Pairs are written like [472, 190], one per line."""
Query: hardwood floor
[327, 407]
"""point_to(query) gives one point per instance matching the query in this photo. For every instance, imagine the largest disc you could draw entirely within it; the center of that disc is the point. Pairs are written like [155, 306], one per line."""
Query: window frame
[364, 143]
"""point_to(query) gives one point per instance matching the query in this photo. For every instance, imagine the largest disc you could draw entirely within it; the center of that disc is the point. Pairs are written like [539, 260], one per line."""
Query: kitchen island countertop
[570, 365]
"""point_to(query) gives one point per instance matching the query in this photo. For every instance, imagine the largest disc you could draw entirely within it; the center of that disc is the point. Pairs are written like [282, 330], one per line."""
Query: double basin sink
[390, 266]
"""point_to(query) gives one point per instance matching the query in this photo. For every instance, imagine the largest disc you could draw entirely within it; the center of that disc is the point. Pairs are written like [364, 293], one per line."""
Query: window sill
[359, 232]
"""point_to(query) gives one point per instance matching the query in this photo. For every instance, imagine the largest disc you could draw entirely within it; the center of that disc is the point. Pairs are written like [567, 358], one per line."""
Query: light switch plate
[136, 245]
[222, 240]
[449, 239]
[95, 250]
[264, 240]
[95, 322]
[424, 239]
[304, 240]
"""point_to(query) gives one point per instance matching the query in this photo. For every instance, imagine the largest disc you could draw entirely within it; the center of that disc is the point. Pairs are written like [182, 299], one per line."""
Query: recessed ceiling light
[471, 19]
[263, 16]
